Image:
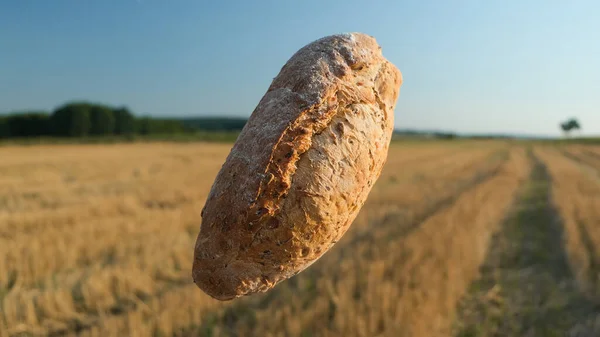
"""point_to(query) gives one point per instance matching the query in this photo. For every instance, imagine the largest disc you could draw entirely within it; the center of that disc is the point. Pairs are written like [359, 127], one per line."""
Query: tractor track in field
[592, 261]
[580, 159]
[592, 153]
[526, 287]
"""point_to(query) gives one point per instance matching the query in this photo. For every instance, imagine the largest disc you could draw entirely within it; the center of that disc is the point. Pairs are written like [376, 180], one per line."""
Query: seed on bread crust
[301, 168]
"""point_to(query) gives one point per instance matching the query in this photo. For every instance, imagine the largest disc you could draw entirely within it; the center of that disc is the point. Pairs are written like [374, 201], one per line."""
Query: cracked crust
[301, 168]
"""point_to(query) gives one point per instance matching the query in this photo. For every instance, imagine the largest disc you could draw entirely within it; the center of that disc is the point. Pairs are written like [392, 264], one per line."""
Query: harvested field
[576, 193]
[97, 240]
[526, 286]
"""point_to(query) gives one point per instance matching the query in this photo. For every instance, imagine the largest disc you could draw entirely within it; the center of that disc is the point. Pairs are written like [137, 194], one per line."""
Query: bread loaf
[301, 168]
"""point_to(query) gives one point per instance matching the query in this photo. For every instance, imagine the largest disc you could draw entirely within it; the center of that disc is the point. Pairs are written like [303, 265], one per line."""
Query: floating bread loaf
[301, 168]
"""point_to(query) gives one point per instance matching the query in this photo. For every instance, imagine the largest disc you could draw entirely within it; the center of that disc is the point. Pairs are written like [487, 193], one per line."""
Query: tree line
[83, 119]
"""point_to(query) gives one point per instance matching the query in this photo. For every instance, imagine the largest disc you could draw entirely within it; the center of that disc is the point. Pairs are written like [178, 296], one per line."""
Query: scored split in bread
[301, 168]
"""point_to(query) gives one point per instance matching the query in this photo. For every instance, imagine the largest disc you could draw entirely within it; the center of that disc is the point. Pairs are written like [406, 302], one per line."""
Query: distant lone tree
[570, 125]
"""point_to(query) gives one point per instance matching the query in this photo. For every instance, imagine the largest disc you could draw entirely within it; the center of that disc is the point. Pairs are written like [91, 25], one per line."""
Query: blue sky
[468, 66]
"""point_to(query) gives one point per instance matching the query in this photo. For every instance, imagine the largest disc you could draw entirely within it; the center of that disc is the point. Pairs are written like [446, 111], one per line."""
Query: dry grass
[97, 240]
[575, 173]
[586, 154]
[576, 193]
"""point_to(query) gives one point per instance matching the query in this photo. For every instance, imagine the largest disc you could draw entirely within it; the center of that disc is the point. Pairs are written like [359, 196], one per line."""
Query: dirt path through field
[526, 286]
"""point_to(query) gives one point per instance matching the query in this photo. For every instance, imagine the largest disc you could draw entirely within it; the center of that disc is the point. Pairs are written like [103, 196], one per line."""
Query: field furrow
[576, 192]
[526, 286]
[585, 154]
[410, 217]
[587, 162]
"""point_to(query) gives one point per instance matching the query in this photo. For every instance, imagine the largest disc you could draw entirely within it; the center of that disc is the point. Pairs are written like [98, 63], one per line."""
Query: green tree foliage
[102, 120]
[143, 126]
[24, 124]
[214, 123]
[81, 119]
[147, 125]
[72, 120]
[4, 129]
[80, 123]
[124, 121]
[570, 125]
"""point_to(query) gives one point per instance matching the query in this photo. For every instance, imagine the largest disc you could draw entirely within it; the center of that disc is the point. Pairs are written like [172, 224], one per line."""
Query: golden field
[97, 240]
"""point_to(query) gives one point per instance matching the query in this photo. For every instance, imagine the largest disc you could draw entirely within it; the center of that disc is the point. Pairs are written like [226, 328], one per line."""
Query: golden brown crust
[301, 168]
